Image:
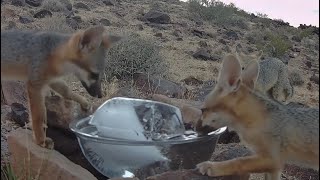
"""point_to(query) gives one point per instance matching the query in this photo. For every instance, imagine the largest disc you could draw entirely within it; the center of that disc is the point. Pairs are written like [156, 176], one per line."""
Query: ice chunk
[138, 120]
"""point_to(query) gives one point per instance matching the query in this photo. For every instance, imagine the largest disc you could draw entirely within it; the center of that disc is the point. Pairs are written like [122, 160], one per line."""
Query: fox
[276, 134]
[273, 77]
[42, 58]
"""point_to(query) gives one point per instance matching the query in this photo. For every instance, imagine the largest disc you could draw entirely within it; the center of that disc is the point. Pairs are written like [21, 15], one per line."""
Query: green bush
[134, 55]
[218, 12]
[280, 45]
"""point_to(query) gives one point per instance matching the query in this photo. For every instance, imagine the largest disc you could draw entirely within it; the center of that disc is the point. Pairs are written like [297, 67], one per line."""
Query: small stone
[158, 34]
[34, 3]
[157, 17]
[203, 44]
[140, 27]
[25, 19]
[80, 5]
[109, 2]
[20, 114]
[42, 14]
[18, 2]
[179, 39]
[202, 54]
[105, 22]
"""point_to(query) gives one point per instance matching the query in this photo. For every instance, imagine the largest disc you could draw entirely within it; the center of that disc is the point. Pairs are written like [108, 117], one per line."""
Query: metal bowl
[127, 154]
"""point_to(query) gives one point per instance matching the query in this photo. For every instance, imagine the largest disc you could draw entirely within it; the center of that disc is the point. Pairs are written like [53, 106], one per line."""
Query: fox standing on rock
[277, 134]
[41, 58]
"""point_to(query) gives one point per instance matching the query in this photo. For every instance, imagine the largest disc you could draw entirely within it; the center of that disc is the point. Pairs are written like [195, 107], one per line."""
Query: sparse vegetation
[272, 43]
[7, 172]
[132, 55]
[295, 78]
[219, 13]
[53, 5]
[279, 45]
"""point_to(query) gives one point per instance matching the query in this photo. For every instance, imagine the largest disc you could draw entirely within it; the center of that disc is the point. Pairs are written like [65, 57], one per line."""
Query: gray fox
[40, 58]
[276, 133]
[273, 77]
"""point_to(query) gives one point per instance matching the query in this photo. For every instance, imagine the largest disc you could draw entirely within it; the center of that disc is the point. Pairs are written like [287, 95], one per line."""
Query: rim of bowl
[74, 126]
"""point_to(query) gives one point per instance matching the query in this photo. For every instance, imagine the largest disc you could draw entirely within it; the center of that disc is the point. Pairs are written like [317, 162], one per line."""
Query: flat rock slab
[192, 175]
[29, 160]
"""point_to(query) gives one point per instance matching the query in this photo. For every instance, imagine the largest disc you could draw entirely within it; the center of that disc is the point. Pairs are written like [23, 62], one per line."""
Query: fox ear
[250, 75]
[91, 39]
[230, 74]
[109, 40]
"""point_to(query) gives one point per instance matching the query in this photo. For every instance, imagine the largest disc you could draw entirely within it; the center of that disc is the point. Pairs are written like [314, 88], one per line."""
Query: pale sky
[293, 11]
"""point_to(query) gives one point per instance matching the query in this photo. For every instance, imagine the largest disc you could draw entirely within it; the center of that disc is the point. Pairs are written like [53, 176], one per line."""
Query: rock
[18, 2]
[25, 19]
[109, 2]
[61, 112]
[314, 78]
[150, 84]
[179, 39]
[34, 3]
[19, 114]
[202, 54]
[40, 162]
[140, 27]
[176, 33]
[192, 175]
[105, 22]
[80, 5]
[155, 16]
[199, 33]
[308, 64]
[67, 4]
[158, 34]
[191, 80]
[230, 34]
[203, 44]
[14, 91]
[78, 19]
[66, 143]
[42, 14]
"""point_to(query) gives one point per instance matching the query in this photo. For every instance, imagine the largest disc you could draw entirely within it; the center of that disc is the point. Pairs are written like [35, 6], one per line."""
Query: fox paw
[207, 168]
[86, 107]
[48, 143]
